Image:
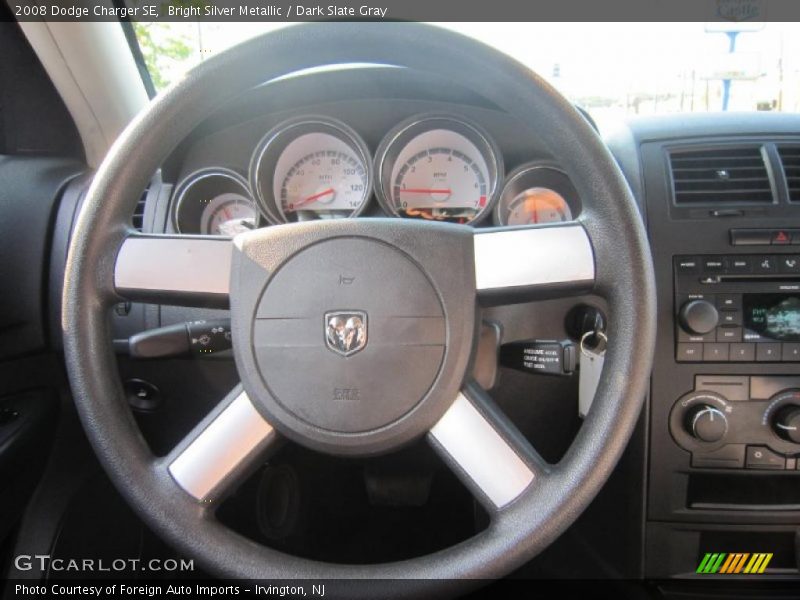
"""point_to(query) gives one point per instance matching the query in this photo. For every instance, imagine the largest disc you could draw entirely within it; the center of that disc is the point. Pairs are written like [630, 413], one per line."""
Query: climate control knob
[706, 423]
[787, 423]
[698, 317]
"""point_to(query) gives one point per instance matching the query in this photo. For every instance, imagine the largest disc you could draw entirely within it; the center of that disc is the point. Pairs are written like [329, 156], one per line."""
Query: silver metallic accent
[223, 450]
[517, 258]
[174, 264]
[481, 453]
[346, 331]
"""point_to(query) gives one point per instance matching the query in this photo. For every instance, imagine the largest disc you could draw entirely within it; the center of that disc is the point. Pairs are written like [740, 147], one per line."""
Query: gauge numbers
[327, 182]
[439, 169]
[537, 193]
[214, 201]
[228, 214]
[440, 184]
[311, 168]
[538, 205]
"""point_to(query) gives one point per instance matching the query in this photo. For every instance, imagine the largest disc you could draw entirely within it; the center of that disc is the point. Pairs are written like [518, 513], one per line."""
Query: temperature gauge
[537, 194]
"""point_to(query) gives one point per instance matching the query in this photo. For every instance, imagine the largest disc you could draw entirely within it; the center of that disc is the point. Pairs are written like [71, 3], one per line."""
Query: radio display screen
[771, 317]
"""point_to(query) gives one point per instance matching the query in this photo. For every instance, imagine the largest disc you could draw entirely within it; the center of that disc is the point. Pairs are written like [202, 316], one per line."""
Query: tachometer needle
[313, 197]
[425, 191]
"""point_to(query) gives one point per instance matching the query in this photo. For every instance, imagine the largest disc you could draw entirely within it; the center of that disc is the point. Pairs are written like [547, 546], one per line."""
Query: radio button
[740, 264]
[715, 352]
[768, 352]
[730, 317]
[685, 336]
[687, 264]
[729, 334]
[743, 353]
[791, 352]
[789, 263]
[713, 264]
[690, 353]
[764, 264]
[729, 302]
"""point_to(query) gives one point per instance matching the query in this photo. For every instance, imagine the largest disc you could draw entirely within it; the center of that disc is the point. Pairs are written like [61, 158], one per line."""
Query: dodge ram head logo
[346, 331]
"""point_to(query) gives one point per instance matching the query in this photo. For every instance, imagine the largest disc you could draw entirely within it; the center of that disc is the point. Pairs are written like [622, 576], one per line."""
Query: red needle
[305, 201]
[425, 191]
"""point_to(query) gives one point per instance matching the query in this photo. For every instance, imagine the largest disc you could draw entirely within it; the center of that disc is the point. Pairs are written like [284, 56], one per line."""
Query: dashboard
[382, 156]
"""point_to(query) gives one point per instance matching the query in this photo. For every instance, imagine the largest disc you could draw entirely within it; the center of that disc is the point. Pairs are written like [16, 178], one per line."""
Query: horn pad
[343, 338]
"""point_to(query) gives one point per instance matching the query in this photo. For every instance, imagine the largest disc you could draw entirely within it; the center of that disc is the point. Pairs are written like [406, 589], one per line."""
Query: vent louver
[138, 214]
[790, 159]
[721, 175]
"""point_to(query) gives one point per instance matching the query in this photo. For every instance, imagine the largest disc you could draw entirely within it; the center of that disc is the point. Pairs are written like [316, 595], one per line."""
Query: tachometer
[313, 168]
[440, 169]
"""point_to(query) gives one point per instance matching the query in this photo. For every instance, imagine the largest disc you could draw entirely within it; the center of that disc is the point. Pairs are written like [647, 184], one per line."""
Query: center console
[723, 472]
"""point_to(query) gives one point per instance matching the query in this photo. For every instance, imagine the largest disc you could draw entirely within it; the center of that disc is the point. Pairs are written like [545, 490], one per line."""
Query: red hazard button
[781, 237]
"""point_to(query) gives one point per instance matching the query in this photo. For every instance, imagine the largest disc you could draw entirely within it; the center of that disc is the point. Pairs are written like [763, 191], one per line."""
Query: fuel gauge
[538, 205]
[214, 201]
[536, 194]
[228, 214]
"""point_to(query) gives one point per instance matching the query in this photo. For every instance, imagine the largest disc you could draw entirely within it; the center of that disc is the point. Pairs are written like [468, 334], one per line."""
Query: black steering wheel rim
[623, 275]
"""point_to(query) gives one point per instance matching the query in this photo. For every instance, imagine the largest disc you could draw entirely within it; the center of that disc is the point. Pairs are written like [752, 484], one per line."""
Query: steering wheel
[367, 367]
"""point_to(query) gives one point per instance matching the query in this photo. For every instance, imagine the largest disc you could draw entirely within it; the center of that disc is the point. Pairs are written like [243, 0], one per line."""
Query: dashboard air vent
[138, 213]
[721, 175]
[790, 159]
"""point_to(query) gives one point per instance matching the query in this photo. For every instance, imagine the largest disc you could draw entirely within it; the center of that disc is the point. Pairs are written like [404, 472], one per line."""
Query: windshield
[609, 69]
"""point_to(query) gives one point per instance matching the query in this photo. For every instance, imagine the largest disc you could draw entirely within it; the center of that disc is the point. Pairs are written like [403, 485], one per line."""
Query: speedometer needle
[313, 197]
[425, 191]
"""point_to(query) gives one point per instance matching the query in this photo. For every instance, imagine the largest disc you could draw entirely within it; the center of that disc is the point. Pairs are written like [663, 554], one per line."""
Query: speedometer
[314, 168]
[440, 169]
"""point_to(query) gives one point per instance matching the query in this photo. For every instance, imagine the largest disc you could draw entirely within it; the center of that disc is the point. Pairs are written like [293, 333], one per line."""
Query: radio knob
[787, 423]
[707, 423]
[698, 317]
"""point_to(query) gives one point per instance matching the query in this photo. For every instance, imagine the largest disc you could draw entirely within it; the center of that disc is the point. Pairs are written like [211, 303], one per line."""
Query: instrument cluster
[437, 167]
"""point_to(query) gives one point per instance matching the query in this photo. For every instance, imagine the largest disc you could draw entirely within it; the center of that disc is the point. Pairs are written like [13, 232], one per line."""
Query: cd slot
[756, 278]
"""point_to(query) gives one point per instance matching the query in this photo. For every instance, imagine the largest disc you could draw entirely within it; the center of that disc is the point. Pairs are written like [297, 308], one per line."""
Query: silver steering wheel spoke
[485, 450]
[173, 269]
[518, 264]
[222, 449]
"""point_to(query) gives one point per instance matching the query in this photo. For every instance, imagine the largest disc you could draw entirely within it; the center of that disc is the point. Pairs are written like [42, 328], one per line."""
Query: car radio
[740, 308]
